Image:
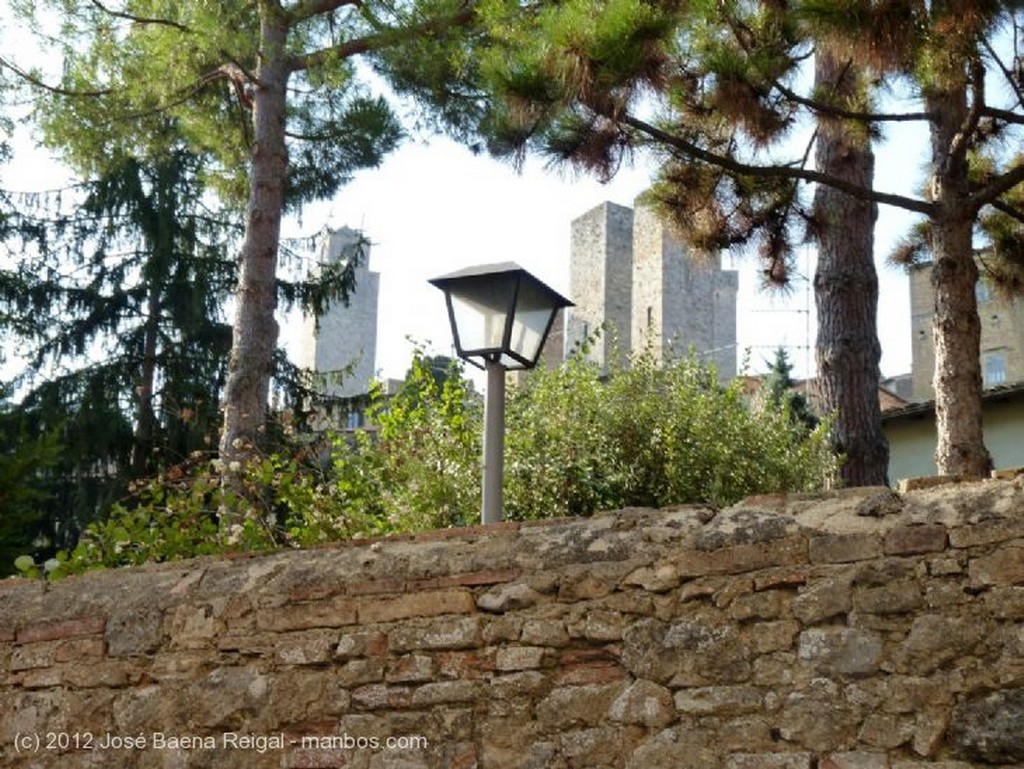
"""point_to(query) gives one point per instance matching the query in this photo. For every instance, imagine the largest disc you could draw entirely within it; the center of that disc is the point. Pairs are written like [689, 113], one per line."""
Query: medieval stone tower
[345, 348]
[600, 281]
[627, 271]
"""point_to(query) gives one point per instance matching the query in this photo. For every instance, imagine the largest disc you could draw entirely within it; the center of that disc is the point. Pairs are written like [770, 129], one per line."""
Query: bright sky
[434, 207]
[431, 209]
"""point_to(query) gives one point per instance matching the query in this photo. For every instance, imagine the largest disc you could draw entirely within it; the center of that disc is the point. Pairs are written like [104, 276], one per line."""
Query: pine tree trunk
[847, 350]
[955, 324]
[254, 335]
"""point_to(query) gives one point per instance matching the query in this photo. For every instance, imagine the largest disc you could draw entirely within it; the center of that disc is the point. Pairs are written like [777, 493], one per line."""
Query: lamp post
[501, 316]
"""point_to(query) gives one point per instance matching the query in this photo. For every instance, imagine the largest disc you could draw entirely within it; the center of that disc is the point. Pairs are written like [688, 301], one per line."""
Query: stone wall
[863, 630]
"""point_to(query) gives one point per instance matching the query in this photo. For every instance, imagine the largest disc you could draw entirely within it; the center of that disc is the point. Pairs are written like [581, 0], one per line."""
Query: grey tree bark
[847, 349]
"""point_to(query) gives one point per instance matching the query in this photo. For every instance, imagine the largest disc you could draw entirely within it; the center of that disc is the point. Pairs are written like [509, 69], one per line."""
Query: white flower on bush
[235, 534]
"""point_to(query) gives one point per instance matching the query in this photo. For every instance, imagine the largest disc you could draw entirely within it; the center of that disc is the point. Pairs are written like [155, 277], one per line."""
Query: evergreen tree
[272, 90]
[781, 394]
[117, 311]
[725, 79]
[24, 461]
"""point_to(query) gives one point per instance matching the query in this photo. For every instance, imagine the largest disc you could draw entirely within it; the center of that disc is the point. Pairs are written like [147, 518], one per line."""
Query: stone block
[307, 648]
[1003, 567]
[190, 627]
[655, 579]
[52, 630]
[508, 598]
[855, 759]
[521, 658]
[30, 656]
[917, 539]
[360, 671]
[897, 598]
[843, 548]
[328, 613]
[577, 706]
[410, 668]
[934, 640]
[544, 633]
[765, 605]
[422, 604]
[598, 625]
[719, 700]
[80, 649]
[841, 651]
[442, 692]
[769, 761]
[768, 637]
[455, 633]
[990, 729]
[737, 559]
[823, 600]
[692, 650]
[987, 532]
[644, 703]
[365, 644]
[886, 731]
[673, 748]
[817, 717]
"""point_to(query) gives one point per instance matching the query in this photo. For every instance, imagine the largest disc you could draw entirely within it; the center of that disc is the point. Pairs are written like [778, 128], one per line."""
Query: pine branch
[1004, 208]
[836, 112]
[307, 9]
[988, 194]
[1007, 73]
[143, 20]
[1004, 115]
[964, 137]
[57, 90]
[381, 40]
[775, 172]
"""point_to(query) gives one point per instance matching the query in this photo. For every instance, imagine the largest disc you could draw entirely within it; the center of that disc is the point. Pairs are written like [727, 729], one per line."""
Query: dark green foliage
[781, 395]
[27, 456]
[577, 442]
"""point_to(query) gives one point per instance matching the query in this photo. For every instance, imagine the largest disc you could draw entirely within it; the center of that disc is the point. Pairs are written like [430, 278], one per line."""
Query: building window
[995, 369]
[981, 291]
[354, 420]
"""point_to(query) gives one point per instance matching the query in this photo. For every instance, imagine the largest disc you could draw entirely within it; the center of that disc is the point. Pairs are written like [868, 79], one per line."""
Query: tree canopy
[719, 92]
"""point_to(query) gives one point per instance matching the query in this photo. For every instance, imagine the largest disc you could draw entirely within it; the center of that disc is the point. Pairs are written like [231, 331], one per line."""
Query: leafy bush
[650, 435]
[577, 441]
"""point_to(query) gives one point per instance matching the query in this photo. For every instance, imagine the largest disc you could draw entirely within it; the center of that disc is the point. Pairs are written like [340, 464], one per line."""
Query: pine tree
[272, 90]
[724, 78]
[781, 394]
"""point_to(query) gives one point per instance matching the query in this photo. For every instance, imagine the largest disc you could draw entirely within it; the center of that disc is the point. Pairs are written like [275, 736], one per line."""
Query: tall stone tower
[600, 281]
[628, 272]
[348, 335]
[677, 303]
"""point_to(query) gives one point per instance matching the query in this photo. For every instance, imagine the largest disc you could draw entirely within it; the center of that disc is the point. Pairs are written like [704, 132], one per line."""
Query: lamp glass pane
[481, 307]
[533, 313]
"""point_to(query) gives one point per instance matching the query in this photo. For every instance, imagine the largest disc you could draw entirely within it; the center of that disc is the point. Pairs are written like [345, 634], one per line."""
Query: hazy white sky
[433, 208]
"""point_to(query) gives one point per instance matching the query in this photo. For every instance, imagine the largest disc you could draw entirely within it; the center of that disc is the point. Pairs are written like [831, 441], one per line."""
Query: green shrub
[577, 441]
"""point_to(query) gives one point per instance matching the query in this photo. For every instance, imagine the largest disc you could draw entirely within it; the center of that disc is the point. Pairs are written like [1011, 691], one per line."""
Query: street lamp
[501, 316]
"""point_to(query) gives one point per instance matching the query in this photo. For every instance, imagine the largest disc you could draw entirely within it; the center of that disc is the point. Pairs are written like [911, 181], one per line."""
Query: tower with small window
[1002, 334]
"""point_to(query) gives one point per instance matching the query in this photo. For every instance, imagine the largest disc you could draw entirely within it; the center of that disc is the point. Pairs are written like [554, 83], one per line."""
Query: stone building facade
[1002, 335]
[344, 350]
[628, 272]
